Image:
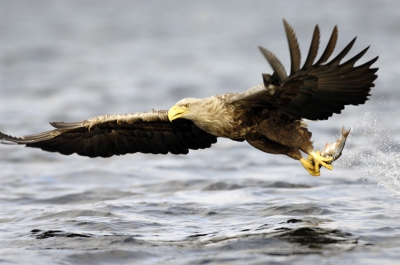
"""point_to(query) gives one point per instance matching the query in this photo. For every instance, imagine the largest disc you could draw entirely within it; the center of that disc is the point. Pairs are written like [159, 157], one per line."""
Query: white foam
[375, 149]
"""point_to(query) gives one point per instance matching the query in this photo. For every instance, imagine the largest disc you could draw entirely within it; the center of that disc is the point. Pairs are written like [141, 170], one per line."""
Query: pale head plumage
[210, 114]
[187, 108]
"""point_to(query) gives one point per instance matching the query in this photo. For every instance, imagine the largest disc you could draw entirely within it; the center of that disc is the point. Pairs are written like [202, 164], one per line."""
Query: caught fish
[335, 149]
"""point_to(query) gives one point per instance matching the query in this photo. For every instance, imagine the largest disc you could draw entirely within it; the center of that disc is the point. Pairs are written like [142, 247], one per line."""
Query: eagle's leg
[308, 165]
[314, 163]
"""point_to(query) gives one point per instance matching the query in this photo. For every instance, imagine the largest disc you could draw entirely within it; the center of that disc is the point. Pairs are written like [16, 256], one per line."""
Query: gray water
[231, 204]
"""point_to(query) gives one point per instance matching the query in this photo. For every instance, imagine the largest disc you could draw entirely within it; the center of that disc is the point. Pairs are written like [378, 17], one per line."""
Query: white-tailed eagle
[268, 116]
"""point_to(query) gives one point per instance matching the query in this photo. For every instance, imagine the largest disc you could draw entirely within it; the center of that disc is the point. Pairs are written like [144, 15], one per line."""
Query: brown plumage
[268, 116]
[105, 136]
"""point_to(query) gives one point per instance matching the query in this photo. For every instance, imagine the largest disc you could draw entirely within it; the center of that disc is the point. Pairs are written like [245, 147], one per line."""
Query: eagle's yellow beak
[175, 112]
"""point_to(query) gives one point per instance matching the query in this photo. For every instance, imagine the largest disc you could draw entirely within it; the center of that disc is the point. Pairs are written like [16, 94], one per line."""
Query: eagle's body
[268, 116]
[267, 130]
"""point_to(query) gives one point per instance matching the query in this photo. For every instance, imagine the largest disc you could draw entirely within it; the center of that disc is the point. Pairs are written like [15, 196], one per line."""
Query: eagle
[270, 116]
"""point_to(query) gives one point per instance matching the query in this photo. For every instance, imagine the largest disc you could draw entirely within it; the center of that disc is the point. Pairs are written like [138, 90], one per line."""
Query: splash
[375, 149]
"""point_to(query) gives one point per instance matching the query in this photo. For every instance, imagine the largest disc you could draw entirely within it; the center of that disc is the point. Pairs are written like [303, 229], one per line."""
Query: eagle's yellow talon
[310, 167]
[315, 161]
[319, 160]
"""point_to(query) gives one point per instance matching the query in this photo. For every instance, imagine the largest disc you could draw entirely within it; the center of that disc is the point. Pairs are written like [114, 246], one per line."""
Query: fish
[335, 149]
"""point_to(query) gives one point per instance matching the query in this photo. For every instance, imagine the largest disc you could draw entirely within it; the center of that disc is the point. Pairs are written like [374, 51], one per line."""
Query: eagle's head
[209, 114]
[187, 108]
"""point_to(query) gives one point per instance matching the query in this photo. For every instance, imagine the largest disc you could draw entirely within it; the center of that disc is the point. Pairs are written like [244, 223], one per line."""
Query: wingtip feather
[275, 63]
[314, 46]
[329, 47]
[295, 55]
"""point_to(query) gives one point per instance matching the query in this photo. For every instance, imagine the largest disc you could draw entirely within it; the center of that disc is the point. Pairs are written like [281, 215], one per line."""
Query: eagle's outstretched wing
[315, 91]
[105, 136]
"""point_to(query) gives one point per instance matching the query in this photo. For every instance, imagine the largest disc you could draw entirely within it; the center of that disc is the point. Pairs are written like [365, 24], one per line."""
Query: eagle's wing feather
[329, 47]
[104, 136]
[312, 53]
[295, 54]
[322, 90]
[316, 91]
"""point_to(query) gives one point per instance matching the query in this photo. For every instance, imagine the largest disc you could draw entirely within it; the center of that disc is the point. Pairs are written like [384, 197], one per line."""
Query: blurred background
[73, 59]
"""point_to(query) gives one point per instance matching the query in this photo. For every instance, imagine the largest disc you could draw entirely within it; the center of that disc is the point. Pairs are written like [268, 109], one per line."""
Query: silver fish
[335, 149]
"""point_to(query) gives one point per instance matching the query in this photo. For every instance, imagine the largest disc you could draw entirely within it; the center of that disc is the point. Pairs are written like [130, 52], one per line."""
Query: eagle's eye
[186, 105]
